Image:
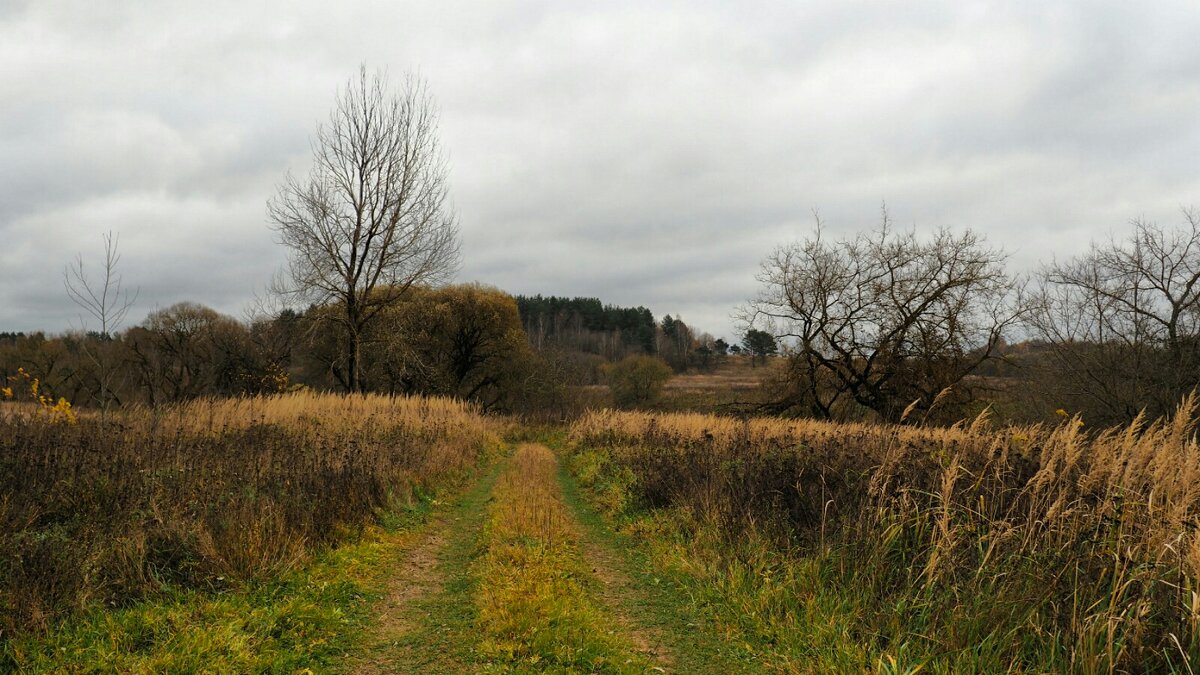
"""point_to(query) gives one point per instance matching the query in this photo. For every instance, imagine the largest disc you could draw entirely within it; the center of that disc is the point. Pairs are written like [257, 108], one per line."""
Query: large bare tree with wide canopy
[885, 320]
[372, 218]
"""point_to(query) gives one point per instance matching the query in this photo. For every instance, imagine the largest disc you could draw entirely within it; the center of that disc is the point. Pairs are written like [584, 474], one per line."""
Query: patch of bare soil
[414, 577]
[616, 591]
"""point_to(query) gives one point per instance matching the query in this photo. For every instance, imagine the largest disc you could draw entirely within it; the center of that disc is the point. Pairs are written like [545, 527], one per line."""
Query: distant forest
[586, 327]
[587, 324]
[468, 341]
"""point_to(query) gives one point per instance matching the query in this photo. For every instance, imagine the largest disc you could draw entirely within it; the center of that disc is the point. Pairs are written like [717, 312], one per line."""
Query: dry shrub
[211, 492]
[1089, 541]
[249, 538]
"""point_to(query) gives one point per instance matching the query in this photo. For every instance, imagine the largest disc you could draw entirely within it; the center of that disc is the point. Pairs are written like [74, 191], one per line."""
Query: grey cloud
[645, 153]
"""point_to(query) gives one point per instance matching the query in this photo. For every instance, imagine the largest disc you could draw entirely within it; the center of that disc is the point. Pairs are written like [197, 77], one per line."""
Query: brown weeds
[1081, 544]
[208, 493]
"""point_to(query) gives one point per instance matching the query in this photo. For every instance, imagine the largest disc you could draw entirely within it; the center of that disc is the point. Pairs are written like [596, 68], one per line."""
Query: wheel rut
[447, 585]
[652, 611]
[423, 618]
[616, 590]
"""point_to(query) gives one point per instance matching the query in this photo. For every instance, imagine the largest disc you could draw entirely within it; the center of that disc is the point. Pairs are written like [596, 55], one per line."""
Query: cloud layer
[645, 153]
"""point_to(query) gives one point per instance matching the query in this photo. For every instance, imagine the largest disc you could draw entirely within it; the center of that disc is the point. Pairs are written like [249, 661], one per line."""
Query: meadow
[270, 534]
[99, 511]
[829, 547]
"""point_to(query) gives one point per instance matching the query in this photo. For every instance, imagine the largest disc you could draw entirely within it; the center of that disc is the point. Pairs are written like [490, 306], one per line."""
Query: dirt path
[520, 575]
[415, 577]
[424, 620]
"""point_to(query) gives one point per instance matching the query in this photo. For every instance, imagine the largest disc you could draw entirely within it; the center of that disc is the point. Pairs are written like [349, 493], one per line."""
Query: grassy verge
[535, 610]
[303, 620]
[812, 609]
[724, 590]
[659, 601]
[842, 548]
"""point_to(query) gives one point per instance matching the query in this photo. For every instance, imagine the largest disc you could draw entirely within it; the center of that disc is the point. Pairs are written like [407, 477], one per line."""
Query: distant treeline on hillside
[587, 325]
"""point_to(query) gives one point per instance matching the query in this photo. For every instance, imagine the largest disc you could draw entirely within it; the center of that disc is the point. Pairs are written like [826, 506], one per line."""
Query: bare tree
[1123, 322]
[371, 219]
[105, 300]
[885, 320]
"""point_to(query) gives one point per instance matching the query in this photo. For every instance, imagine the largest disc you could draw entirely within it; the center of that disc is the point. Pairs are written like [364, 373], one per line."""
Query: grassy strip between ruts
[535, 611]
[304, 621]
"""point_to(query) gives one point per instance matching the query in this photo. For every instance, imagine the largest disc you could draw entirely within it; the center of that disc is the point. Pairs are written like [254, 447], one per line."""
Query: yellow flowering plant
[59, 410]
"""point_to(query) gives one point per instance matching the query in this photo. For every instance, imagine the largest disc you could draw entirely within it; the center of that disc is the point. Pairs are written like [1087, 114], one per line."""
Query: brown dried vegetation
[207, 494]
[1043, 547]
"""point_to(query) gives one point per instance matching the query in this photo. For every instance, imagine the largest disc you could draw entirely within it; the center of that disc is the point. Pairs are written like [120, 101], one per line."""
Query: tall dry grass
[527, 502]
[207, 494]
[1047, 547]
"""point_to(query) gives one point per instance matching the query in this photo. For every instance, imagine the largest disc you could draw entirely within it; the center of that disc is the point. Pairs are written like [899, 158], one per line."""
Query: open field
[732, 385]
[732, 373]
[209, 495]
[369, 534]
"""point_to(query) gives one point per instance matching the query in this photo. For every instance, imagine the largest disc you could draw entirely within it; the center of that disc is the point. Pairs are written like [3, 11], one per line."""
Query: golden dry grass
[527, 503]
[1085, 543]
[341, 411]
[208, 493]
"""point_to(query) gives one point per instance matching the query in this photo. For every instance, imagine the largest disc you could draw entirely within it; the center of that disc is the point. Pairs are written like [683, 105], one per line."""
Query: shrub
[638, 380]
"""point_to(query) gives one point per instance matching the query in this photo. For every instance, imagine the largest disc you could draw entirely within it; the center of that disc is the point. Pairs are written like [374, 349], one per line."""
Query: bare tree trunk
[353, 377]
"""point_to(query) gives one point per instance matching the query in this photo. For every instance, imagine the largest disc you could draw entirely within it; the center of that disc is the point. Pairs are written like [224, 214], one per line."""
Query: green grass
[305, 620]
[660, 601]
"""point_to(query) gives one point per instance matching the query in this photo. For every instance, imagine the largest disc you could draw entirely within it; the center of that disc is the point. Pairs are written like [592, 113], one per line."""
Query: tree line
[464, 341]
[883, 324]
[587, 325]
[899, 327]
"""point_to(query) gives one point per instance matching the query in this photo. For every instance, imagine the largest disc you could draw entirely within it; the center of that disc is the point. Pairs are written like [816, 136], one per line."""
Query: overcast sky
[645, 153]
